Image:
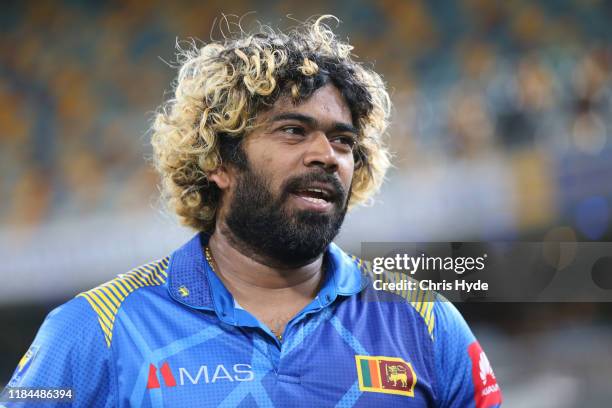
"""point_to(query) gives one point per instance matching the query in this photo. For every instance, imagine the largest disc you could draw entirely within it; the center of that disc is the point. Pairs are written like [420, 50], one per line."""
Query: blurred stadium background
[502, 130]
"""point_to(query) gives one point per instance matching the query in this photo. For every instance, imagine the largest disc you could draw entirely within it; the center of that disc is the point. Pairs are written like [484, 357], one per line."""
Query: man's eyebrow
[345, 127]
[310, 121]
[294, 116]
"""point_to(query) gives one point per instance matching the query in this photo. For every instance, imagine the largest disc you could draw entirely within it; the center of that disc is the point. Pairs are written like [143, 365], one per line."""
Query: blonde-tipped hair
[222, 86]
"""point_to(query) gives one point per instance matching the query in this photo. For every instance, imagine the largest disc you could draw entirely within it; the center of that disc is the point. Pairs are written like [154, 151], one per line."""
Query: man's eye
[293, 130]
[348, 141]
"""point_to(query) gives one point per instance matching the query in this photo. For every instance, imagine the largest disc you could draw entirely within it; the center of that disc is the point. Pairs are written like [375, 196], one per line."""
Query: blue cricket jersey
[169, 334]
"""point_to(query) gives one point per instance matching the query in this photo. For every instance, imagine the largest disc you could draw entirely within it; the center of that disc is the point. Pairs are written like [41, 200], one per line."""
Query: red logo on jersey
[166, 373]
[486, 389]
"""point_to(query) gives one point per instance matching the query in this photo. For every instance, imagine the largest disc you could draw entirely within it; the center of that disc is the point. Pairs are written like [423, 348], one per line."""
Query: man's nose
[321, 153]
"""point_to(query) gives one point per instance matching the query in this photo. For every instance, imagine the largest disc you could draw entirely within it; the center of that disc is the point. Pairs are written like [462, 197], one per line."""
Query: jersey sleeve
[464, 375]
[69, 351]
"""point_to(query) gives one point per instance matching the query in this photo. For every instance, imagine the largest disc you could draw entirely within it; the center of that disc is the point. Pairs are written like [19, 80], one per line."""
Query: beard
[265, 228]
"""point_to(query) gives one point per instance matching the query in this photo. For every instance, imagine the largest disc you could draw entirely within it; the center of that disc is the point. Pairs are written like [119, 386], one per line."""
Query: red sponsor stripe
[374, 373]
[167, 375]
[486, 389]
[152, 382]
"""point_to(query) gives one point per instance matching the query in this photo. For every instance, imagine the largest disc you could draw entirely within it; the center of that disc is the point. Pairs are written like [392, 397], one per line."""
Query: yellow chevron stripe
[147, 275]
[138, 278]
[105, 329]
[433, 303]
[107, 335]
[419, 303]
[155, 274]
[113, 287]
[110, 296]
[123, 285]
[104, 304]
[100, 303]
[430, 326]
[139, 281]
[131, 280]
[143, 278]
[152, 274]
[105, 323]
[428, 309]
[158, 273]
[107, 298]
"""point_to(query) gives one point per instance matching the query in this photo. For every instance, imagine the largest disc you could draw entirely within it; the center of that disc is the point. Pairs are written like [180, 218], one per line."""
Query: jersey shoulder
[394, 287]
[107, 299]
[67, 339]
[440, 316]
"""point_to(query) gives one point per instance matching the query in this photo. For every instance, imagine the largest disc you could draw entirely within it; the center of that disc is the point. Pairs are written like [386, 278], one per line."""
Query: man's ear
[221, 177]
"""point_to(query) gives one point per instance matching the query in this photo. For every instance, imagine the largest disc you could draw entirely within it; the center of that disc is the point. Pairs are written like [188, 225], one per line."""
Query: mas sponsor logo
[486, 389]
[204, 374]
[388, 375]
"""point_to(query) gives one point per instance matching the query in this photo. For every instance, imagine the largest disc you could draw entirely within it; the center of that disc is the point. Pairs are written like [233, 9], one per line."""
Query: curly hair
[222, 86]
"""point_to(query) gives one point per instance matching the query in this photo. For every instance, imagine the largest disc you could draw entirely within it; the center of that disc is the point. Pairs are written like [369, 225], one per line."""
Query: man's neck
[237, 262]
[272, 294]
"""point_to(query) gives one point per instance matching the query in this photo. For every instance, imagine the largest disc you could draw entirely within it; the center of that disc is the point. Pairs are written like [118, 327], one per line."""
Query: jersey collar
[192, 282]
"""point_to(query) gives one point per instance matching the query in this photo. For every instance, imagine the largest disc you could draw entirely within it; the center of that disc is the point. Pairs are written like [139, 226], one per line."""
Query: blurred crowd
[525, 82]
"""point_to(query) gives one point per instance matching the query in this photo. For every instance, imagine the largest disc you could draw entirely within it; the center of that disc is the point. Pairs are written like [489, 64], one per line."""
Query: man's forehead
[326, 103]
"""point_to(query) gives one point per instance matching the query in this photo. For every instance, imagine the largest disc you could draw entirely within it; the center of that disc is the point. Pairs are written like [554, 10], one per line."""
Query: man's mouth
[316, 196]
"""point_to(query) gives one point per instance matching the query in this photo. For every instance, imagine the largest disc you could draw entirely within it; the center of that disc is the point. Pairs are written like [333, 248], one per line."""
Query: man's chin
[310, 218]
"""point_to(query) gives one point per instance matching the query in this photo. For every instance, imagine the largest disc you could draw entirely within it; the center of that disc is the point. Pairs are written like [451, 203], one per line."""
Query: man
[267, 142]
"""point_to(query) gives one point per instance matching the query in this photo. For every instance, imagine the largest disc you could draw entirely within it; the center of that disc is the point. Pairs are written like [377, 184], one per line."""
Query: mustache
[338, 192]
